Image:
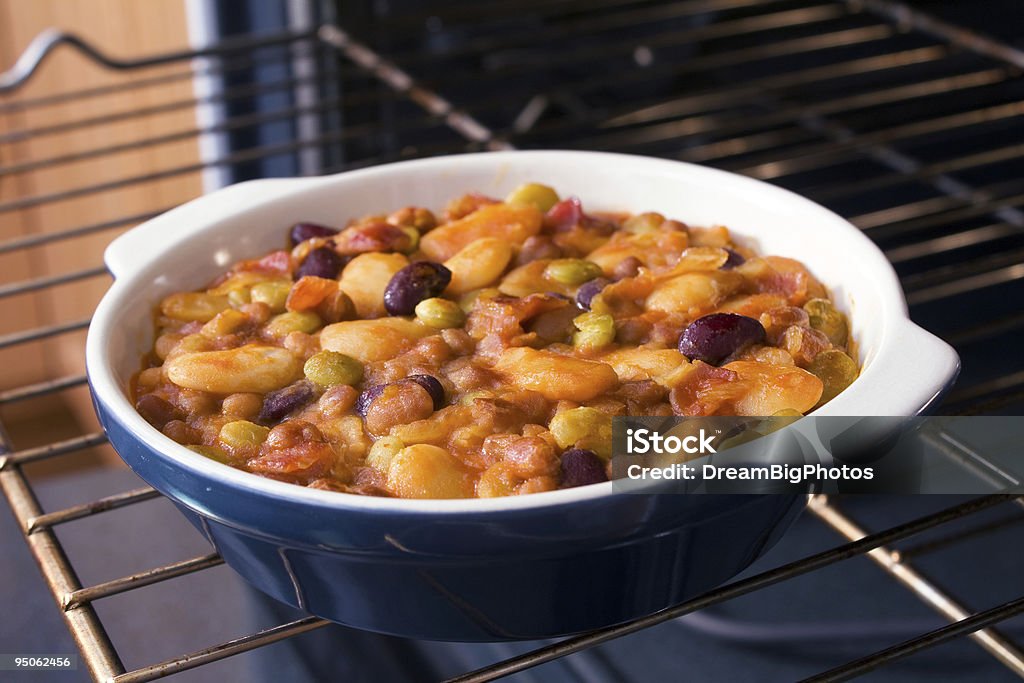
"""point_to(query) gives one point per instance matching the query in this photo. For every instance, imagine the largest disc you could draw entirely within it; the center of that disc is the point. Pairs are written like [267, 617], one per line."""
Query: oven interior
[907, 123]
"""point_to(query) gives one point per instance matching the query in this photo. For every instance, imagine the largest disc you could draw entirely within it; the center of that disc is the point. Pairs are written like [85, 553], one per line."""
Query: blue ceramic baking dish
[532, 566]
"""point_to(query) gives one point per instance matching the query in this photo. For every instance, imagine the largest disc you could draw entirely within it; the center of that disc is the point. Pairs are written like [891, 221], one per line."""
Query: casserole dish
[545, 564]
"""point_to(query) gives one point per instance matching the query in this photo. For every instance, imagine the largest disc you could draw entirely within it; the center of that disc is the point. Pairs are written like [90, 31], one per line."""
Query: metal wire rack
[907, 125]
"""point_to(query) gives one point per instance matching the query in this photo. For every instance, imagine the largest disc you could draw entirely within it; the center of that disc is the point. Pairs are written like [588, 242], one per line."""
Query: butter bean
[554, 376]
[511, 224]
[479, 264]
[425, 471]
[251, 368]
[193, 306]
[373, 340]
[692, 292]
[224, 323]
[242, 406]
[150, 377]
[497, 480]
[636, 364]
[383, 451]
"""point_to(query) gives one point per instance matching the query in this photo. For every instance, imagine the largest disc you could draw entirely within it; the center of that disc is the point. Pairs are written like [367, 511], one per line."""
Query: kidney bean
[414, 283]
[368, 396]
[433, 387]
[277, 404]
[581, 467]
[156, 410]
[588, 290]
[735, 259]
[321, 262]
[301, 232]
[715, 337]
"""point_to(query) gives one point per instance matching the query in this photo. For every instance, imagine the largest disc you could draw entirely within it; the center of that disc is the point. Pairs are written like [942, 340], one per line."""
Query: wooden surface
[122, 28]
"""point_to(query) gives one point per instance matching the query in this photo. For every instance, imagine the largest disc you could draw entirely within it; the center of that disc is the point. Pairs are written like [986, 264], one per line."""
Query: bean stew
[482, 351]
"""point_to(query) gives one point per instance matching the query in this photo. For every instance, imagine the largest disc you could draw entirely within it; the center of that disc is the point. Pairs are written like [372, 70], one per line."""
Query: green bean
[243, 435]
[533, 194]
[583, 428]
[572, 271]
[836, 371]
[330, 368]
[273, 294]
[293, 321]
[643, 222]
[826, 319]
[440, 313]
[211, 452]
[382, 451]
[594, 330]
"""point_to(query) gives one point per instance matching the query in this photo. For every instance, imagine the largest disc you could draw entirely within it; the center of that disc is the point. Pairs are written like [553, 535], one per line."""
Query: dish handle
[178, 224]
[913, 376]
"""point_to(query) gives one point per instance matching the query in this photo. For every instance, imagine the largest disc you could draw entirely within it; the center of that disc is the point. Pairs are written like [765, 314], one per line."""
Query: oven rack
[820, 112]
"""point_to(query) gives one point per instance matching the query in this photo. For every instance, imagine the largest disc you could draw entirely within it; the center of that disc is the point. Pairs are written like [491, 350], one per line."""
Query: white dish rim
[923, 365]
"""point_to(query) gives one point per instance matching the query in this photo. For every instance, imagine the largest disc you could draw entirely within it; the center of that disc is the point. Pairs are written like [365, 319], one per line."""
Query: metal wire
[587, 25]
[897, 565]
[966, 626]
[906, 16]
[98, 653]
[790, 138]
[53, 450]
[218, 652]
[49, 40]
[114, 502]
[727, 592]
[38, 333]
[156, 575]
[40, 239]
